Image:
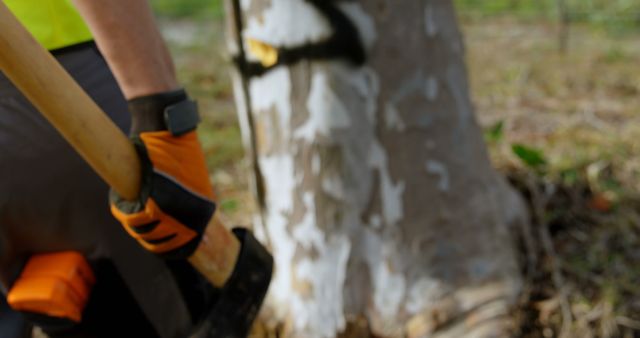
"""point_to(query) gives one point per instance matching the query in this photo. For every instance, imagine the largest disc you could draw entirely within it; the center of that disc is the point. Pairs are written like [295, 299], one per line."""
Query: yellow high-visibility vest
[54, 23]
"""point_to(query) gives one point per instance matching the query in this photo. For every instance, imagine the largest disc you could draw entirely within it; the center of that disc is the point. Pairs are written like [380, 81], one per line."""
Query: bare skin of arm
[126, 34]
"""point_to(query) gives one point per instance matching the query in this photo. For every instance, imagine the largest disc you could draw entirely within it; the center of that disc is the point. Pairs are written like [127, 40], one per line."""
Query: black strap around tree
[344, 43]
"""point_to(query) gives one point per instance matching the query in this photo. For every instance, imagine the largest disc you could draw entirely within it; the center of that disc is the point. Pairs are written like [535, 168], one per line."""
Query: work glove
[176, 198]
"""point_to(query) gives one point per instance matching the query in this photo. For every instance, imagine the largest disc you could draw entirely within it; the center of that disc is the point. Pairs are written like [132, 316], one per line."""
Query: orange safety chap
[53, 284]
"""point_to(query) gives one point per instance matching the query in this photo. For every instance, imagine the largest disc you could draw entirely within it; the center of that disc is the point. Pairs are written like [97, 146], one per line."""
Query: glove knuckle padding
[179, 158]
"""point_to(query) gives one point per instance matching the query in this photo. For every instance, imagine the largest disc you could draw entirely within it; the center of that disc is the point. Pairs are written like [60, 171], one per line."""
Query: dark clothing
[12, 324]
[110, 312]
[50, 200]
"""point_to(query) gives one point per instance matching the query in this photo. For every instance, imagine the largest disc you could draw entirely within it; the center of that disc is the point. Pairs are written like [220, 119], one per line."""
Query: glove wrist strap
[172, 111]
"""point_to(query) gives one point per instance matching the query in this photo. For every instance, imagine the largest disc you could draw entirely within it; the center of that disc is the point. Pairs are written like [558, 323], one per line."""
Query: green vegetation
[520, 8]
[610, 15]
[532, 158]
[188, 8]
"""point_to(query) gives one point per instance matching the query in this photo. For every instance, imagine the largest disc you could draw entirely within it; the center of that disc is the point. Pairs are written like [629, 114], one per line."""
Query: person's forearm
[127, 36]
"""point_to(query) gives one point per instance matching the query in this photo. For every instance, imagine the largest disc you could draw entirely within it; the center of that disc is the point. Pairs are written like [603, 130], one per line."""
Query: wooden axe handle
[93, 135]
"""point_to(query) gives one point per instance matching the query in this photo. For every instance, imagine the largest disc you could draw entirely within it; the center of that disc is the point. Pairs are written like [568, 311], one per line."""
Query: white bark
[379, 199]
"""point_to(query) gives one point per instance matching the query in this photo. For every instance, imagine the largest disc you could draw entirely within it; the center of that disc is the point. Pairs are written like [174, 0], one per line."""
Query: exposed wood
[217, 254]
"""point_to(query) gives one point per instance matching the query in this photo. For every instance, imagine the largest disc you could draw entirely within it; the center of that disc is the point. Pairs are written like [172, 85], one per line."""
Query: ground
[573, 119]
[579, 110]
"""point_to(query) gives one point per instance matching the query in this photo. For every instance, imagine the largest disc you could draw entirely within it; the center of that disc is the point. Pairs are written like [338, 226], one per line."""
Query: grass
[613, 16]
[580, 107]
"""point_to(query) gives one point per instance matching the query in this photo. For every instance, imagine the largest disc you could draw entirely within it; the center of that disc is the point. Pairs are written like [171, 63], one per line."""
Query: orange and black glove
[176, 198]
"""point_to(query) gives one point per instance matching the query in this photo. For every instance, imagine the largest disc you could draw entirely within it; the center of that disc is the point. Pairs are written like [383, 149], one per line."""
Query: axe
[38, 75]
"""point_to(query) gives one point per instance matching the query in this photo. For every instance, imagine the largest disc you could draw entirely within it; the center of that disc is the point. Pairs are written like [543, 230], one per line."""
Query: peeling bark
[379, 198]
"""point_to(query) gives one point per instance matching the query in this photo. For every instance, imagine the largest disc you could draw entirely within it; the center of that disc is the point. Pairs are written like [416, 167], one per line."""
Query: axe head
[239, 302]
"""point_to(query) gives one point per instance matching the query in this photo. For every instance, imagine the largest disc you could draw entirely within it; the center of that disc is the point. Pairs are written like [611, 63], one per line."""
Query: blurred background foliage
[188, 8]
[611, 15]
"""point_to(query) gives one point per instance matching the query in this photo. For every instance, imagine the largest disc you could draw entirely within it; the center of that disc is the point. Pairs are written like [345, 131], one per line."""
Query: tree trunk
[376, 191]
